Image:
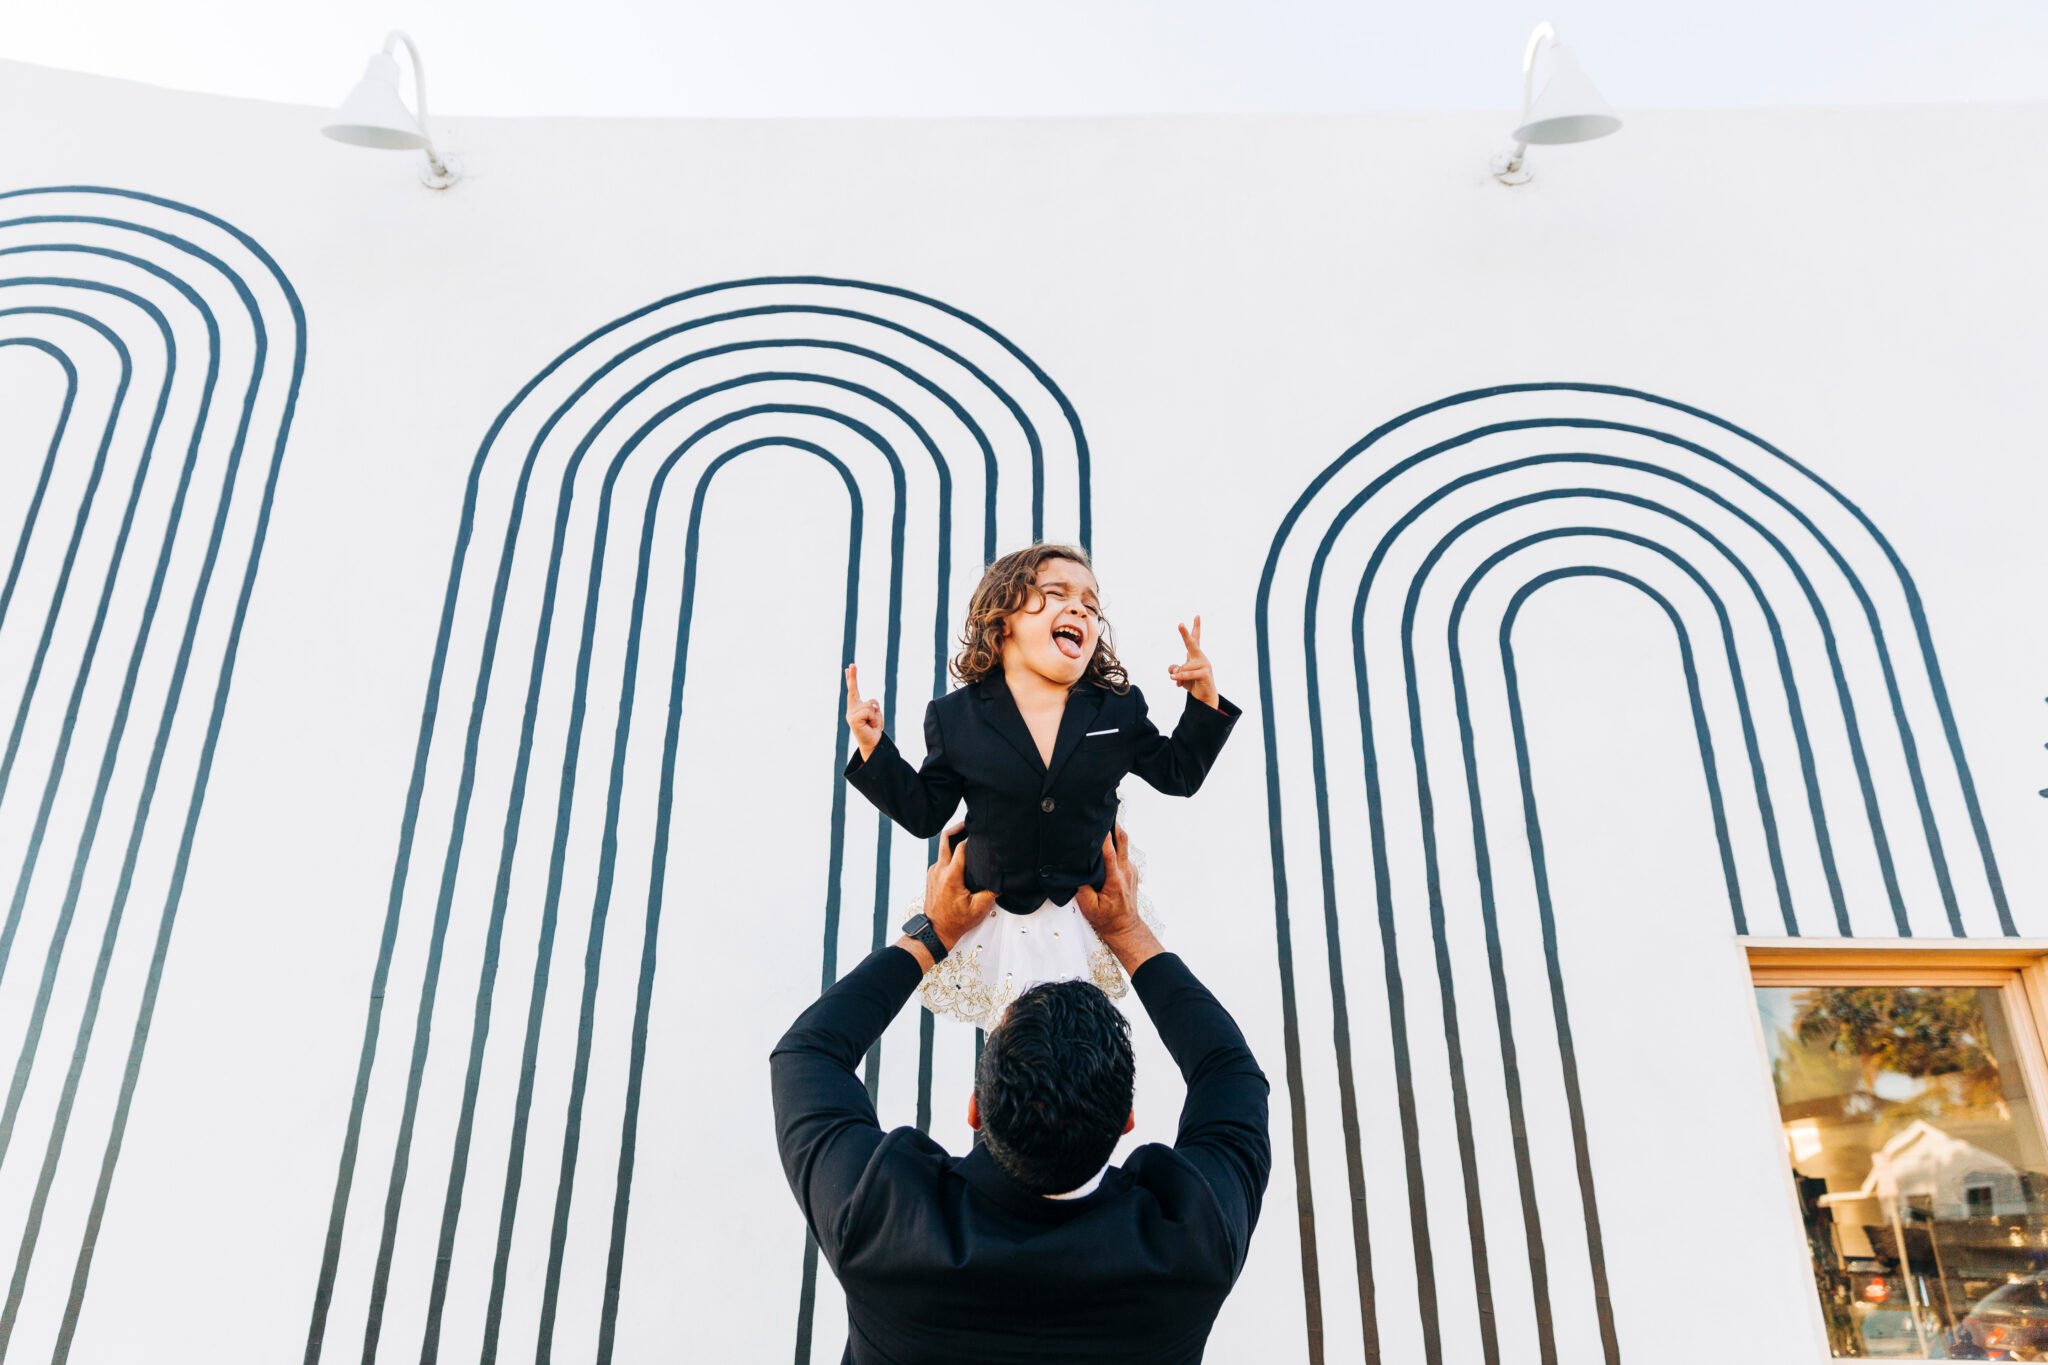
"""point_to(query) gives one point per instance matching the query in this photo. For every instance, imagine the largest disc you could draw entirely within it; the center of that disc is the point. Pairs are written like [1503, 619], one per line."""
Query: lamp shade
[1569, 109]
[373, 115]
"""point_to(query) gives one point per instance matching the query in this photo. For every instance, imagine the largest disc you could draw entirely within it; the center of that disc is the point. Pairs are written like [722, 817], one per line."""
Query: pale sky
[952, 57]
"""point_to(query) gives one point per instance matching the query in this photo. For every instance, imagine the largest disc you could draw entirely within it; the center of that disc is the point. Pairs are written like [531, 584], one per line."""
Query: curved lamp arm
[399, 37]
[1544, 32]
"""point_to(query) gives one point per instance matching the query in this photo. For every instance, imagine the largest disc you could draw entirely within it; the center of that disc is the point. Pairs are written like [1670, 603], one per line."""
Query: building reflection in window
[1919, 1165]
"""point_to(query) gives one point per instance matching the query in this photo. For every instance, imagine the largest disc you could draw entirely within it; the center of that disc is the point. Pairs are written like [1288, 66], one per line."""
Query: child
[1043, 728]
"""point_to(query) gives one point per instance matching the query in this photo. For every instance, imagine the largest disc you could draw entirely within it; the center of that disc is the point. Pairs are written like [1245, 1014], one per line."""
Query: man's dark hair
[1054, 1086]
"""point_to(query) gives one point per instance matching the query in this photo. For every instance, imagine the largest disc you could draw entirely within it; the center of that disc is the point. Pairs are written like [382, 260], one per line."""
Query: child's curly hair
[1006, 587]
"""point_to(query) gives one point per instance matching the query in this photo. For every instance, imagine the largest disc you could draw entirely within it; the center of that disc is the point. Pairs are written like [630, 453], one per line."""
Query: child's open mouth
[1069, 640]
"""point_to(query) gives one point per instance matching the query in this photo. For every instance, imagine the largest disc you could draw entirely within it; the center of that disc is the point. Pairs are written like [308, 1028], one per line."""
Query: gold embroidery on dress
[957, 987]
[1107, 973]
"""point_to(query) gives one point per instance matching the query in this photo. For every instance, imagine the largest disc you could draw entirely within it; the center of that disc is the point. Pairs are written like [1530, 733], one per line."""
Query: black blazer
[1035, 831]
[944, 1259]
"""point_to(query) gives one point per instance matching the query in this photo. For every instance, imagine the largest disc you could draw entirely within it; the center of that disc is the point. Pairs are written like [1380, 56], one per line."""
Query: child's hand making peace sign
[1195, 674]
[864, 718]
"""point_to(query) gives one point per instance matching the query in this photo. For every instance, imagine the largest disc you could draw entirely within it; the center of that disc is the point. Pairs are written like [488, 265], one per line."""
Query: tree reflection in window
[1919, 1168]
[1907, 1031]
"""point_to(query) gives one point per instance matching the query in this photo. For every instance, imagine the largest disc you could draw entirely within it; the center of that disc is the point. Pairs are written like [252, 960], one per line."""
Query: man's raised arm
[1223, 1125]
[825, 1125]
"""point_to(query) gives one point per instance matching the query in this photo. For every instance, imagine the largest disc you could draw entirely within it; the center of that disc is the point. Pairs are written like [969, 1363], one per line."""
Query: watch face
[916, 925]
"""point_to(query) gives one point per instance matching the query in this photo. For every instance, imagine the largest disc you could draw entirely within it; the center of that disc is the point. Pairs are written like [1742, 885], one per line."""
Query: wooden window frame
[2018, 967]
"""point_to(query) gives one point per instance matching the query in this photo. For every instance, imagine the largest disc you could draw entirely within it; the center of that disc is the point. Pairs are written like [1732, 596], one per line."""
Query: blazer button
[1047, 805]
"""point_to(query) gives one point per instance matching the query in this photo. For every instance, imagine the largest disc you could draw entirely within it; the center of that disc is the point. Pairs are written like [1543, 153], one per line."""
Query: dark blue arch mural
[895, 397]
[129, 578]
[1825, 612]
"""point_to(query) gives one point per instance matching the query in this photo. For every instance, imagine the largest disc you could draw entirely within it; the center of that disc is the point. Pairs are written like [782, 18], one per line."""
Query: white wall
[1229, 305]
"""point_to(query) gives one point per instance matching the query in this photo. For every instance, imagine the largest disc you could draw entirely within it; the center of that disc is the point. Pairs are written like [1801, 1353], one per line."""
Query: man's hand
[864, 718]
[1195, 674]
[948, 904]
[1112, 912]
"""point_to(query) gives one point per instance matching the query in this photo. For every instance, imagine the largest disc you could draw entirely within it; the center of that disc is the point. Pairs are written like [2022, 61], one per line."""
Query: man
[1032, 1248]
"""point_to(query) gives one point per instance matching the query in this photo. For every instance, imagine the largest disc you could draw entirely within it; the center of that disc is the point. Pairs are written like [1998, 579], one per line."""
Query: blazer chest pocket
[1103, 756]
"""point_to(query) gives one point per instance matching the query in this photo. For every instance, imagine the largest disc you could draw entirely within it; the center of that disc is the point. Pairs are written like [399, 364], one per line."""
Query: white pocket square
[1110, 731]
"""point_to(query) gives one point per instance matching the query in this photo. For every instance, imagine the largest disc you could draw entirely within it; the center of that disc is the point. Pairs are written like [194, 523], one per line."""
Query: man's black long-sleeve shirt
[946, 1259]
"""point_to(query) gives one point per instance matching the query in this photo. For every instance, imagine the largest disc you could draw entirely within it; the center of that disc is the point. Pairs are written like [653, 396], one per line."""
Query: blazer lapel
[1006, 720]
[1082, 704]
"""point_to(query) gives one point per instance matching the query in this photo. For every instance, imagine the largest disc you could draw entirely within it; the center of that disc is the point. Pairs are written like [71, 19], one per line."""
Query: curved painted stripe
[572, 1126]
[1610, 1345]
[1765, 805]
[565, 796]
[1383, 888]
[489, 652]
[516, 799]
[64, 579]
[323, 1292]
[612, 475]
[60, 932]
[1426, 800]
[644, 995]
[1483, 863]
[1286, 530]
[58, 428]
[1929, 660]
[145, 1013]
[445, 901]
[1854, 581]
[1823, 840]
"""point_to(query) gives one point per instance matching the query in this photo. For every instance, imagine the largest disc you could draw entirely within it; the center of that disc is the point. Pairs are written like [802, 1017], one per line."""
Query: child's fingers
[853, 685]
[1198, 632]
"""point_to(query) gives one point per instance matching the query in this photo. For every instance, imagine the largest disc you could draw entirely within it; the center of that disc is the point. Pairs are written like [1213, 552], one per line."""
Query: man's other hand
[1112, 912]
[948, 904]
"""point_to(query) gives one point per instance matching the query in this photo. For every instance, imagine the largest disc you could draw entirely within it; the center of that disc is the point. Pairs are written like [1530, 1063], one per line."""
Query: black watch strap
[919, 927]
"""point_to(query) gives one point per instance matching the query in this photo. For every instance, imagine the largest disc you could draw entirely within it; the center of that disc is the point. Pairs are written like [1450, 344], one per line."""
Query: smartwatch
[919, 927]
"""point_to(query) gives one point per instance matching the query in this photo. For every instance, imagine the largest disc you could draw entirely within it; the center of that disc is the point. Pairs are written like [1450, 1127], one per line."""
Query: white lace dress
[1007, 954]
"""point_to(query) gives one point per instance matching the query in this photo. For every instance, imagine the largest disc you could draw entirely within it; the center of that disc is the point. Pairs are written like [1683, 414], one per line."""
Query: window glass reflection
[1919, 1166]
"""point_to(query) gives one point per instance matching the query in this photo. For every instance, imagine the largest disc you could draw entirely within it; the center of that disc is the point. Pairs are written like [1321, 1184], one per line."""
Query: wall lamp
[1568, 110]
[374, 115]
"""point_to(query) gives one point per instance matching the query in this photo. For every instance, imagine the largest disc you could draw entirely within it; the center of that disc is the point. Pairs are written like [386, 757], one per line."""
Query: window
[1908, 1083]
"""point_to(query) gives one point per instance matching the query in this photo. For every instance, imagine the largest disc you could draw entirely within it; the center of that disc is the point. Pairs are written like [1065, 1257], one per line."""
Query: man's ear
[974, 1112]
[1130, 1120]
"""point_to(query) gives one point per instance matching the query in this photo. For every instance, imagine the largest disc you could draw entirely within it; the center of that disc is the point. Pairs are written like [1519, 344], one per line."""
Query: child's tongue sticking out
[1048, 641]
